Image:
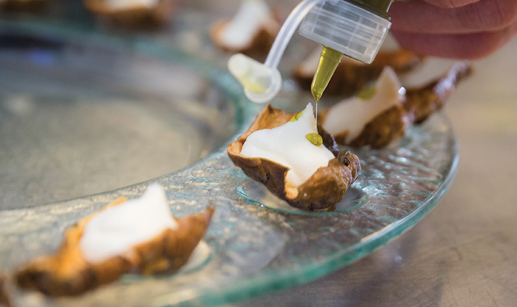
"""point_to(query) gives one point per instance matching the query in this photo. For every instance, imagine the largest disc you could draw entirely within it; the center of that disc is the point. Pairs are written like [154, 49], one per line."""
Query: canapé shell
[5, 300]
[326, 187]
[385, 127]
[258, 45]
[133, 17]
[418, 105]
[422, 101]
[33, 6]
[67, 273]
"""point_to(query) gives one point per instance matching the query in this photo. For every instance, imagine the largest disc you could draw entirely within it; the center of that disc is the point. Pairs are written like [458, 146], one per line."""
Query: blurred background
[461, 254]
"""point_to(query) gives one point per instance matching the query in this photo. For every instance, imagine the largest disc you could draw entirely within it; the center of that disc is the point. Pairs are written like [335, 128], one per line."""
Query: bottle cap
[347, 28]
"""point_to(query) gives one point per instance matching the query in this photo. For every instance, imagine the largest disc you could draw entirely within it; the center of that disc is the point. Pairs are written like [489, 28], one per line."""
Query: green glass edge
[363, 201]
[273, 282]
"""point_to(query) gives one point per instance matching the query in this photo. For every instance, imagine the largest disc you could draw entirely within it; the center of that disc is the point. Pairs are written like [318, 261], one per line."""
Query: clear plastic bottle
[355, 28]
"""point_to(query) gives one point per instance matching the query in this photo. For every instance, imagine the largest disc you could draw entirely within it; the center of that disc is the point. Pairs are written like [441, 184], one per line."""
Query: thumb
[451, 3]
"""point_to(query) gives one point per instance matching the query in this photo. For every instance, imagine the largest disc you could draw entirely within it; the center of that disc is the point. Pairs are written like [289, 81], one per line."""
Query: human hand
[468, 29]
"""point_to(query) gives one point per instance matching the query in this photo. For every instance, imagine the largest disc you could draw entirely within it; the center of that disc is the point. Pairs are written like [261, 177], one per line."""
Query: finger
[451, 3]
[461, 46]
[422, 17]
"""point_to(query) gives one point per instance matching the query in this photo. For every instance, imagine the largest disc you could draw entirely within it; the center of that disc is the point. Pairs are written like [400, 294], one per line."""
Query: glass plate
[126, 116]
[254, 249]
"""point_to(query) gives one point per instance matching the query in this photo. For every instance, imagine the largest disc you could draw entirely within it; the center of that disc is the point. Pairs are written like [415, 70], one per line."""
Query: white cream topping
[432, 69]
[353, 114]
[288, 146]
[115, 230]
[241, 29]
[124, 4]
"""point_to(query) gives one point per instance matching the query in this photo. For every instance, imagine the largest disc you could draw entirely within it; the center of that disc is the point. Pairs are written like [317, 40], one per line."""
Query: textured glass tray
[126, 116]
[254, 250]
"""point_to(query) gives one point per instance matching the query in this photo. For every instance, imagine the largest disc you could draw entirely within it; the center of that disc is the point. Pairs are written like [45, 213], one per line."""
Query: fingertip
[449, 4]
[461, 46]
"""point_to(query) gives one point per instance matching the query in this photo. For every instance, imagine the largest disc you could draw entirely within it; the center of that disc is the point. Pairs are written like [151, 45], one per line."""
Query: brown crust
[418, 105]
[402, 60]
[259, 45]
[4, 296]
[383, 129]
[137, 17]
[423, 101]
[320, 192]
[351, 76]
[33, 6]
[67, 273]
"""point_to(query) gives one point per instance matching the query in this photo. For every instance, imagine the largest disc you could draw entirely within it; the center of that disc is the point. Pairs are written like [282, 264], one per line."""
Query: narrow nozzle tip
[329, 61]
[261, 83]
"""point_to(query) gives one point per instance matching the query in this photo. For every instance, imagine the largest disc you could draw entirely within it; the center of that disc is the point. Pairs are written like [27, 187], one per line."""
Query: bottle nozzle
[261, 83]
[354, 28]
[329, 61]
[339, 25]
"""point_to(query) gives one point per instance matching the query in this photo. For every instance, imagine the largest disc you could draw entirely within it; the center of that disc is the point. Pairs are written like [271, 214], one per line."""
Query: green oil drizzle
[297, 116]
[366, 93]
[314, 138]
